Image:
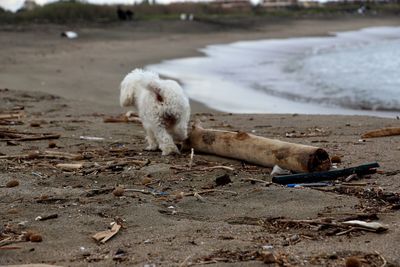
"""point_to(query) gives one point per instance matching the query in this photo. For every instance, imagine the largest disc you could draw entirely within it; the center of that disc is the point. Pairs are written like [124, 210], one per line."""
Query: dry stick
[9, 248]
[184, 263]
[102, 168]
[257, 180]
[210, 191]
[34, 138]
[185, 169]
[390, 131]
[11, 116]
[191, 158]
[217, 167]
[383, 259]
[143, 191]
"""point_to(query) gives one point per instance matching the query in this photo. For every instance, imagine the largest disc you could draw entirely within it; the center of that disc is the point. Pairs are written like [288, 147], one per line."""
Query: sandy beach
[68, 87]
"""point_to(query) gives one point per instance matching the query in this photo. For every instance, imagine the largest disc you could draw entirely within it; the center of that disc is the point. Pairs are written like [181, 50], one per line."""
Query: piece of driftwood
[45, 154]
[122, 118]
[104, 236]
[259, 150]
[13, 135]
[390, 131]
[12, 115]
[34, 265]
[375, 226]
[69, 166]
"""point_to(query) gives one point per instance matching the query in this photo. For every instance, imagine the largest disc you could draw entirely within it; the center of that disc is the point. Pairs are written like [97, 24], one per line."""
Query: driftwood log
[258, 150]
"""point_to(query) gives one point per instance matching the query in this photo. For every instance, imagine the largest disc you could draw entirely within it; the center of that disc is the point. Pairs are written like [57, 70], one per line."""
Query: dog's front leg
[165, 141]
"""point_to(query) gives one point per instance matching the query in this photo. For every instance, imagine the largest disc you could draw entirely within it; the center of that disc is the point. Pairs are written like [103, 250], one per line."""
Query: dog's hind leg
[165, 141]
[151, 140]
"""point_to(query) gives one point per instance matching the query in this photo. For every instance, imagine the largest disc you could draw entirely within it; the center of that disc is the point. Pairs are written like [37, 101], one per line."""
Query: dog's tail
[132, 82]
[126, 97]
[154, 88]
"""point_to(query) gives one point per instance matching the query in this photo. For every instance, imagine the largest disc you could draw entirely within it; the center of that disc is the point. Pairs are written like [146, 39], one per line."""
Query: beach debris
[312, 132]
[309, 185]
[368, 168]
[253, 180]
[276, 170]
[35, 237]
[120, 255]
[47, 217]
[91, 138]
[45, 154]
[223, 180]
[69, 166]
[104, 236]
[375, 226]
[329, 225]
[353, 262]
[336, 159]
[125, 118]
[191, 158]
[69, 34]
[210, 191]
[200, 169]
[259, 150]
[390, 131]
[11, 118]
[14, 135]
[115, 166]
[120, 191]
[11, 183]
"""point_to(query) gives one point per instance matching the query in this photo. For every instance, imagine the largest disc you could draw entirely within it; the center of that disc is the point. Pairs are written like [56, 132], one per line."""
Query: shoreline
[250, 74]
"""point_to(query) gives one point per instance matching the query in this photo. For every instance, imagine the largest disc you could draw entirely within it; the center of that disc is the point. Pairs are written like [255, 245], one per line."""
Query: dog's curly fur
[162, 107]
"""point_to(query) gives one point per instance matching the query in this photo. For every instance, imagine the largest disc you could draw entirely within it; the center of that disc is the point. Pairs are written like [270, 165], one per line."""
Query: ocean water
[355, 73]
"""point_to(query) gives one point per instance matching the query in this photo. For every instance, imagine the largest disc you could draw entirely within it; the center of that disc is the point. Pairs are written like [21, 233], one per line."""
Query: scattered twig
[211, 191]
[116, 165]
[188, 169]
[12, 115]
[48, 217]
[184, 263]
[382, 258]
[122, 118]
[258, 181]
[69, 166]
[191, 158]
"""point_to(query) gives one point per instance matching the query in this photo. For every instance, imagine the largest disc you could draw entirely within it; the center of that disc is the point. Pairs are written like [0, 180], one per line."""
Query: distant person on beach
[124, 15]
[121, 14]
[129, 14]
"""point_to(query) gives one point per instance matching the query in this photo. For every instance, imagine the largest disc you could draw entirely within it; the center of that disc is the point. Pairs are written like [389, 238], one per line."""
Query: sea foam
[353, 72]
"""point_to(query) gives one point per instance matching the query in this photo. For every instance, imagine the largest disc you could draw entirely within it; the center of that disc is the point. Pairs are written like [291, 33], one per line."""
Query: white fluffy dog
[162, 107]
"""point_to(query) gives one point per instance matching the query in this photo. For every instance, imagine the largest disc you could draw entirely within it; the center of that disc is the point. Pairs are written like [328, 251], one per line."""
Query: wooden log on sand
[259, 150]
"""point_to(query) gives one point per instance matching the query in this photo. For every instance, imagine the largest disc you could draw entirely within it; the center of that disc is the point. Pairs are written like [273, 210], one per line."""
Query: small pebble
[35, 238]
[12, 183]
[179, 195]
[119, 191]
[52, 145]
[146, 180]
[268, 257]
[336, 159]
[35, 124]
[353, 262]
